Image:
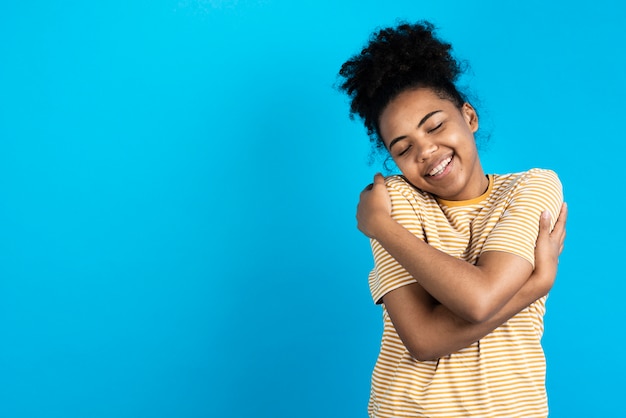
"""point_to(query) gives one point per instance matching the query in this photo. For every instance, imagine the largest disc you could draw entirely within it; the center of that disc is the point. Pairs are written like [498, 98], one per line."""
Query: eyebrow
[421, 122]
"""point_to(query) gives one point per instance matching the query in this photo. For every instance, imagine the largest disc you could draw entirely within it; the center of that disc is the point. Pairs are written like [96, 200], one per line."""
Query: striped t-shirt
[501, 375]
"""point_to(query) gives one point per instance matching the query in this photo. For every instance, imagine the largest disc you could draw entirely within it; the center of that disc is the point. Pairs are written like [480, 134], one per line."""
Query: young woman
[463, 260]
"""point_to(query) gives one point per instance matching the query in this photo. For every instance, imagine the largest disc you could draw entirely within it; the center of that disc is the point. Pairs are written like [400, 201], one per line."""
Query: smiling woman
[428, 148]
[463, 260]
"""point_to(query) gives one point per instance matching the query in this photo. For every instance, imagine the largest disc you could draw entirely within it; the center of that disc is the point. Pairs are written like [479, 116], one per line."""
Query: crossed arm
[455, 303]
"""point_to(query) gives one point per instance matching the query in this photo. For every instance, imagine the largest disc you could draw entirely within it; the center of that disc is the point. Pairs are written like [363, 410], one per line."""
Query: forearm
[464, 288]
[446, 333]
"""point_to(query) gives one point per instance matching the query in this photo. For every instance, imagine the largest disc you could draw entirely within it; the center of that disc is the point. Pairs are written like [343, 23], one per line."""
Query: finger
[559, 226]
[544, 223]
[562, 238]
[379, 179]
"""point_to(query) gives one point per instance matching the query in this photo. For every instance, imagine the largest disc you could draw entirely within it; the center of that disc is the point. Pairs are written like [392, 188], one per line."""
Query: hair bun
[396, 59]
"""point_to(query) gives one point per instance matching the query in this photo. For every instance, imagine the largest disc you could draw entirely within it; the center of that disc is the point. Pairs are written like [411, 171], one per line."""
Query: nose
[425, 151]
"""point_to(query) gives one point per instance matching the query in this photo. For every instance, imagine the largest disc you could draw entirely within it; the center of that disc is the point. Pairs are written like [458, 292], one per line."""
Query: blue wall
[178, 180]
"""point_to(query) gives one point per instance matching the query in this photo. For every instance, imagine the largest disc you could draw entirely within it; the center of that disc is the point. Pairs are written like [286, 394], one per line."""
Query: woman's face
[432, 143]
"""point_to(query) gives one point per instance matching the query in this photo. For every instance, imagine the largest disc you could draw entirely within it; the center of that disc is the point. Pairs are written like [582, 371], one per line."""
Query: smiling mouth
[440, 168]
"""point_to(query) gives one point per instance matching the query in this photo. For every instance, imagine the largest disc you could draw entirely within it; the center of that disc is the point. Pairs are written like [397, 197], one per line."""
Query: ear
[470, 116]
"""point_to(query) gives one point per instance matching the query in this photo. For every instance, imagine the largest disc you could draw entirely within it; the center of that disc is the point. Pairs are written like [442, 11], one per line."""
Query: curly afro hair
[396, 59]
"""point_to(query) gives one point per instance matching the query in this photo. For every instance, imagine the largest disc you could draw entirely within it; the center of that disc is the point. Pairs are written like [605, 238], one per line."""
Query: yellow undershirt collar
[470, 201]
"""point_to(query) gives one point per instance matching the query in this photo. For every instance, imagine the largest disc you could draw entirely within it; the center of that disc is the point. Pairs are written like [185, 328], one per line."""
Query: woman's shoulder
[532, 175]
[398, 185]
[538, 180]
[396, 181]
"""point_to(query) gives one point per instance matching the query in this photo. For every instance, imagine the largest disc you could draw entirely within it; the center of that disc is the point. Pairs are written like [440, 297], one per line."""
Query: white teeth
[440, 167]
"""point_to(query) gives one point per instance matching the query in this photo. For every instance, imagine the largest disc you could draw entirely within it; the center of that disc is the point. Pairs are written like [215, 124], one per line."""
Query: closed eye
[404, 151]
[435, 128]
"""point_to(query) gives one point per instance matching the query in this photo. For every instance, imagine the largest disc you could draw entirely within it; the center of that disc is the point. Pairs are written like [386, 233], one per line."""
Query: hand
[549, 247]
[374, 207]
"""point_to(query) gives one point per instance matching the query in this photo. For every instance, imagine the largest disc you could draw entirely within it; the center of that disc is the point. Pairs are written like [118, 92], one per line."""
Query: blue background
[178, 181]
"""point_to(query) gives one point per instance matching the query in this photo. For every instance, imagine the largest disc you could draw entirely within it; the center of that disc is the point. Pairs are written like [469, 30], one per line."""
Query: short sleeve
[388, 274]
[516, 231]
